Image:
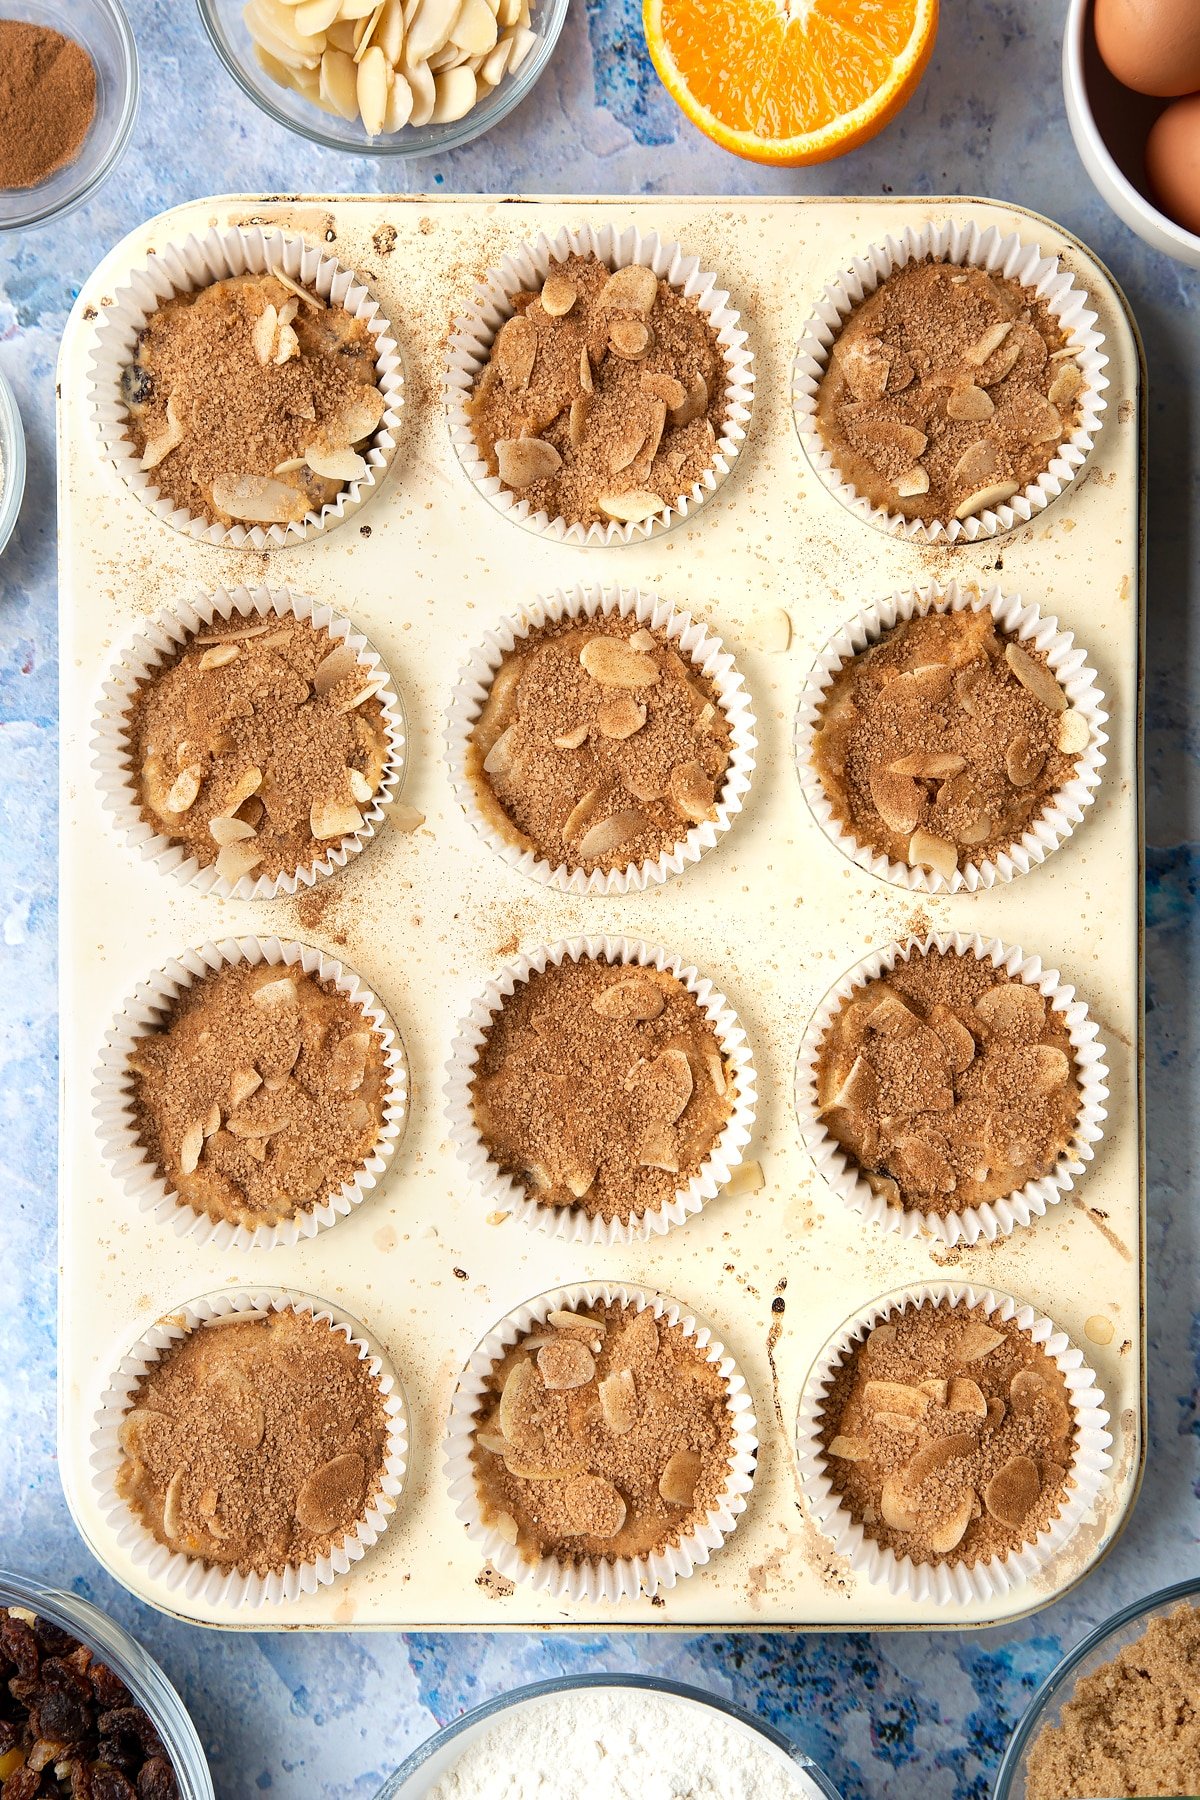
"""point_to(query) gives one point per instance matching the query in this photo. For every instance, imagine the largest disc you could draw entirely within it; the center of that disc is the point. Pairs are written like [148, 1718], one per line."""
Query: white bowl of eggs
[1131, 73]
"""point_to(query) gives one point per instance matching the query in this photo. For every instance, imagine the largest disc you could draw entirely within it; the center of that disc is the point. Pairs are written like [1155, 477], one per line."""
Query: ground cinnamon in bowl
[47, 102]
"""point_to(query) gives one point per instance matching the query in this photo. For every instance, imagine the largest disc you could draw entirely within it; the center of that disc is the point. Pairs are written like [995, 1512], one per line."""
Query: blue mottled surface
[319, 1716]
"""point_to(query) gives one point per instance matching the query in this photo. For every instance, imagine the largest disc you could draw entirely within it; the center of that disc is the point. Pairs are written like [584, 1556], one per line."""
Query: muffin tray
[773, 914]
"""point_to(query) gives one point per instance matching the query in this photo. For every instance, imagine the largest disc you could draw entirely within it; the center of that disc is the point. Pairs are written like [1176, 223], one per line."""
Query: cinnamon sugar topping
[948, 390]
[255, 1444]
[604, 394]
[258, 745]
[947, 1434]
[601, 1086]
[598, 745]
[259, 1094]
[942, 743]
[621, 1462]
[949, 1082]
[248, 400]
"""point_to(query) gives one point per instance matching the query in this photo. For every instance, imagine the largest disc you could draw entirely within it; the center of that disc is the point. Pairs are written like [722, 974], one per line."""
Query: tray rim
[947, 204]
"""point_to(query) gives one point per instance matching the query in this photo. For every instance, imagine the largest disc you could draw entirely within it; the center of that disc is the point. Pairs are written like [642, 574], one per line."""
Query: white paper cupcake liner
[113, 1094]
[1069, 664]
[693, 641]
[953, 1583]
[1000, 254]
[996, 1218]
[525, 269]
[156, 641]
[197, 263]
[616, 1579]
[572, 1223]
[188, 1576]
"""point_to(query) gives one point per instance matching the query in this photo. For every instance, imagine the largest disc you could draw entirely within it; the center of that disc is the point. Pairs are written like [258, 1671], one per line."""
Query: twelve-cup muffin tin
[773, 914]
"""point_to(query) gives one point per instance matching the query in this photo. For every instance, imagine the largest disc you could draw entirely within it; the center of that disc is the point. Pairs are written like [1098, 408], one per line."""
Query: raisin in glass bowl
[131, 1731]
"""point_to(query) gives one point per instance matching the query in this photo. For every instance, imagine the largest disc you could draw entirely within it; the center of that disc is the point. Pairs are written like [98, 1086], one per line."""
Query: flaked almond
[890, 1015]
[517, 1402]
[633, 508]
[219, 656]
[949, 1532]
[1036, 677]
[499, 759]
[930, 765]
[666, 1085]
[747, 1178]
[926, 851]
[677, 1483]
[914, 481]
[1066, 384]
[566, 1364]
[891, 1421]
[578, 418]
[665, 388]
[334, 668]
[558, 295]
[172, 1503]
[921, 687]
[581, 814]
[258, 500]
[864, 366]
[635, 997]
[348, 1060]
[967, 1396]
[566, 740]
[967, 685]
[360, 415]
[995, 1413]
[1023, 760]
[922, 1165]
[896, 1506]
[770, 630]
[959, 1043]
[1025, 1390]
[1012, 1009]
[848, 1449]
[579, 1181]
[620, 717]
[633, 286]
[612, 663]
[975, 831]
[895, 1396]
[331, 1495]
[880, 1337]
[563, 1320]
[854, 1090]
[212, 1120]
[977, 1340]
[505, 1527]
[333, 819]
[190, 1147]
[977, 353]
[335, 462]
[897, 798]
[985, 498]
[893, 434]
[936, 1455]
[586, 380]
[971, 403]
[1073, 732]
[516, 350]
[977, 464]
[236, 860]
[1013, 1491]
[525, 1469]
[630, 338]
[627, 445]
[618, 1401]
[522, 461]
[594, 1506]
[1030, 415]
[243, 1083]
[937, 1389]
[183, 792]
[657, 1149]
[609, 834]
[1051, 1068]
[694, 404]
[158, 449]
[224, 830]
[658, 421]
[692, 791]
[360, 788]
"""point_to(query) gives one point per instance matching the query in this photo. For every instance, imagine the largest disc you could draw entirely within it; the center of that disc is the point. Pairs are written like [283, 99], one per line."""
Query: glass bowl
[427, 1764]
[12, 462]
[232, 42]
[126, 1658]
[103, 30]
[1100, 1646]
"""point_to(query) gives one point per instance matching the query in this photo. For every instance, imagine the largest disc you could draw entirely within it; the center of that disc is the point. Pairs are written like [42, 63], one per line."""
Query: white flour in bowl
[620, 1744]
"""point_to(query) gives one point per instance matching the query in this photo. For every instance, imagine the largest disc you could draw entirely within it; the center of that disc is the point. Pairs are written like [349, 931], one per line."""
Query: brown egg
[1151, 45]
[1173, 161]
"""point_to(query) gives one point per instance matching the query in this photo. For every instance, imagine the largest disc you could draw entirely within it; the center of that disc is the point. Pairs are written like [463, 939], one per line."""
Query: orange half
[790, 81]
